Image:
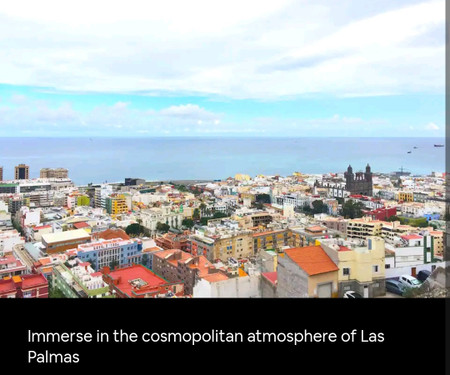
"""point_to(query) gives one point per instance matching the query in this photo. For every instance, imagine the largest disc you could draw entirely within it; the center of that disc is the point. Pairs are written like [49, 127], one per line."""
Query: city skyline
[248, 69]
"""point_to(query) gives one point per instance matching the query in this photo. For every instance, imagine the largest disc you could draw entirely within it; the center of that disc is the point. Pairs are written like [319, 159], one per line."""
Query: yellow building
[363, 228]
[238, 246]
[116, 204]
[361, 269]
[242, 177]
[271, 240]
[438, 242]
[406, 196]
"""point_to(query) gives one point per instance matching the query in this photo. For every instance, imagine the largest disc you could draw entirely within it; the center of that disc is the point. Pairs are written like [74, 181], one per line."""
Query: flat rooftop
[126, 275]
[76, 234]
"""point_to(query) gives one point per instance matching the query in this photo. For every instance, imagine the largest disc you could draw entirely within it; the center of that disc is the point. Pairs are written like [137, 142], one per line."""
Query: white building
[8, 239]
[101, 193]
[30, 217]
[165, 215]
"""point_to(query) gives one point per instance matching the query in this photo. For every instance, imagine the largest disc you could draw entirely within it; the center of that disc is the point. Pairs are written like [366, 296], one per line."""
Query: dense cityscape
[348, 234]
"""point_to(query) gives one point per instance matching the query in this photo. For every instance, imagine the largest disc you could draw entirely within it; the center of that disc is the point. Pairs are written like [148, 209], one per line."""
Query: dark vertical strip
[447, 187]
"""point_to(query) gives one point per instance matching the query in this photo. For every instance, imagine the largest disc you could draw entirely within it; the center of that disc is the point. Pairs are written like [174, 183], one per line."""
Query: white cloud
[39, 116]
[432, 126]
[188, 111]
[239, 49]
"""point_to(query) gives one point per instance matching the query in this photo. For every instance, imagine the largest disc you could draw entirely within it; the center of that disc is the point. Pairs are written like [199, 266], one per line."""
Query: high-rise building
[22, 172]
[54, 173]
[116, 204]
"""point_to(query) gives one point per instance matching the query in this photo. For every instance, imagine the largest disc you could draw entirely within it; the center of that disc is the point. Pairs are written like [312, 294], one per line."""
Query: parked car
[409, 281]
[352, 294]
[395, 287]
[423, 275]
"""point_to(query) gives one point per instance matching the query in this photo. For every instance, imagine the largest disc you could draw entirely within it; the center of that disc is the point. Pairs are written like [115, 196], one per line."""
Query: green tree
[54, 292]
[162, 227]
[419, 222]
[352, 209]
[134, 229]
[181, 188]
[196, 214]
[319, 207]
[189, 223]
[307, 209]
[340, 200]
[262, 198]
[218, 215]
[113, 264]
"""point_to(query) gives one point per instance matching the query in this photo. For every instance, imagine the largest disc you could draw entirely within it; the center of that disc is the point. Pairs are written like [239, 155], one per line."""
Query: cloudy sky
[222, 68]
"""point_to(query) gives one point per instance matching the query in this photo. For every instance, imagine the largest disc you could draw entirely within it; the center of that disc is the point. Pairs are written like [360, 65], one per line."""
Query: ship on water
[438, 145]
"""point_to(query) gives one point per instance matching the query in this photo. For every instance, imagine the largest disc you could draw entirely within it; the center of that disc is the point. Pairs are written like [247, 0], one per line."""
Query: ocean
[98, 160]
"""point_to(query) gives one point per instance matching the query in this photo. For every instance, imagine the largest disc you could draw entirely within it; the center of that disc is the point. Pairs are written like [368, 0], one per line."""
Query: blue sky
[235, 68]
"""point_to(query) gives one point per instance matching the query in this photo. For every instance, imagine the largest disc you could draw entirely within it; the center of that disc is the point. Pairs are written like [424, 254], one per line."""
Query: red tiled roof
[6, 286]
[344, 248]
[412, 237]
[44, 261]
[271, 276]
[81, 225]
[111, 233]
[316, 228]
[312, 259]
[215, 277]
[42, 227]
[33, 281]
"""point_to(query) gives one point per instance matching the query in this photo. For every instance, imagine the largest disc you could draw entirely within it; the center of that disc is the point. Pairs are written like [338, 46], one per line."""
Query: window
[375, 268]
[346, 271]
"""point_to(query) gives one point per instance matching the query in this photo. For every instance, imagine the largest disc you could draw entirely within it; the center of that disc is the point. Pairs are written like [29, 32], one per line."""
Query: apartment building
[178, 266]
[11, 266]
[116, 204]
[363, 228]
[173, 241]
[361, 268]
[21, 172]
[114, 252]
[271, 240]
[54, 173]
[77, 279]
